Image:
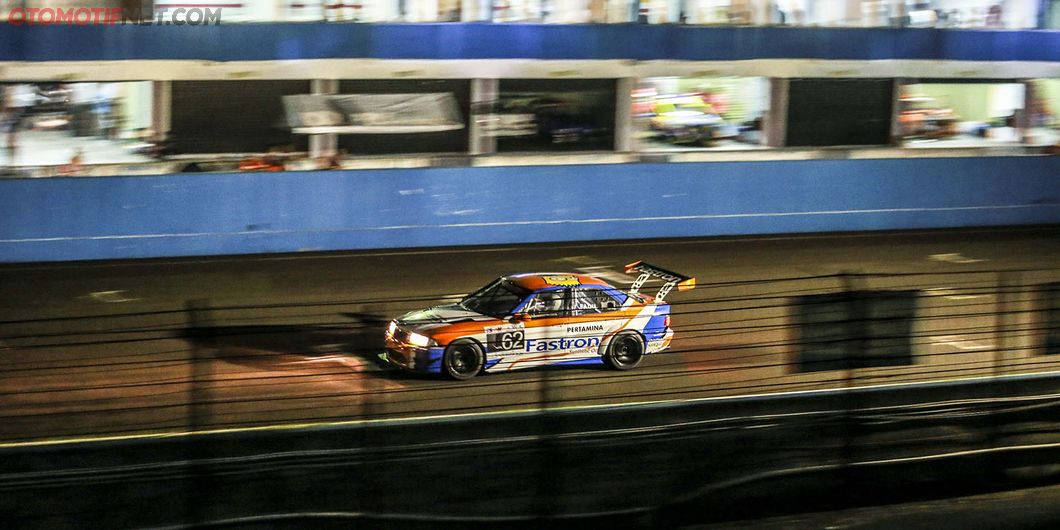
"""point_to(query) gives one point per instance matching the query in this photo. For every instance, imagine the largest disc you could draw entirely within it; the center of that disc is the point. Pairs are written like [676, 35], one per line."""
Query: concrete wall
[59, 219]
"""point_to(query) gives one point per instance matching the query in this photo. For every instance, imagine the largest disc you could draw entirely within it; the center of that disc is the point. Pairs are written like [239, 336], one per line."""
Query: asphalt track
[110, 349]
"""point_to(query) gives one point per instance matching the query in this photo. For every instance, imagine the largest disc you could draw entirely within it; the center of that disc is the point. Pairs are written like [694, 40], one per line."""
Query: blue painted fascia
[290, 41]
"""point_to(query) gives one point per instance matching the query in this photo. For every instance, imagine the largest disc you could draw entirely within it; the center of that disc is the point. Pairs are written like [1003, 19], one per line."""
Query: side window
[548, 304]
[588, 301]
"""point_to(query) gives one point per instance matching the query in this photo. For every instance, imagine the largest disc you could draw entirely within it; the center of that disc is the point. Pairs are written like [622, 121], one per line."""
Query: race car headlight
[416, 339]
[391, 329]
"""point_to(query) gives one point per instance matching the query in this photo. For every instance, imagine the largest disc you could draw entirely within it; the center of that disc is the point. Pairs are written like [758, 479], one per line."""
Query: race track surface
[105, 349]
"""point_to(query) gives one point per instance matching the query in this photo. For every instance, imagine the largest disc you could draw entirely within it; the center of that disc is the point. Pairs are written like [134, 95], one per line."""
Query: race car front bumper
[402, 358]
[414, 358]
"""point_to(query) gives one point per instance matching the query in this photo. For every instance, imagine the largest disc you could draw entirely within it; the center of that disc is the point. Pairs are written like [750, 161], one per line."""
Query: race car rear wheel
[463, 360]
[625, 351]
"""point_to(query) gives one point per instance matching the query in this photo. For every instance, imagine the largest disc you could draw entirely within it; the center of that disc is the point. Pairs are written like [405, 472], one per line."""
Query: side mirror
[521, 317]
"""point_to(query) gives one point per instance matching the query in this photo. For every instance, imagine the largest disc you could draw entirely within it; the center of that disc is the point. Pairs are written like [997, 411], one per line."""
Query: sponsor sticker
[561, 280]
[548, 345]
[585, 328]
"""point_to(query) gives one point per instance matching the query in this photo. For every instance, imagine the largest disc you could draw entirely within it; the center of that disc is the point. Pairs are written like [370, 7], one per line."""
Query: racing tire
[463, 359]
[625, 352]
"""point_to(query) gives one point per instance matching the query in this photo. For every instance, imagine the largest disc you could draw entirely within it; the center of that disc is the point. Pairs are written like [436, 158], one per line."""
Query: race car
[535, 319]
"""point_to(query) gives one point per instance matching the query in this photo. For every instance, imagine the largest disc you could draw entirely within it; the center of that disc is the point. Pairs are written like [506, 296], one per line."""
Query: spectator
[75, 166]
[273, 160]
[83, 98]
[335, 160]
[17, 101]
[777, 16]
[995, 17]
[12, 122]
[193, 167]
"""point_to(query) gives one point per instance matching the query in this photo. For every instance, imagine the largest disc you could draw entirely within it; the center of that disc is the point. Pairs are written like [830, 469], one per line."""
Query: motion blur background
[194, 114]
[1013, 14]
[205, 229]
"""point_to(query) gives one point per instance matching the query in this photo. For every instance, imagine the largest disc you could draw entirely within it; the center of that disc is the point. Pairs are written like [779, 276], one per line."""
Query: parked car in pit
[687, 119]
[551, 119]
[921, 116]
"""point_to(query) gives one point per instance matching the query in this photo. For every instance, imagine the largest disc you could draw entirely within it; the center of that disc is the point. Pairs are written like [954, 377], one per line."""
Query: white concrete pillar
[475, 10]
[625, 140]
[422, 10]
[483, 93]
[775, 124]
[898, 12]
[262, 11]
[323, 144]
[1025, 116]
[136, 105]
[161, 108]
[897, 89]
[568, 12]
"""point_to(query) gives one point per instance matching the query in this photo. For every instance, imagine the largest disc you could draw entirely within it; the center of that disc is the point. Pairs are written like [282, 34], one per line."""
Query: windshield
[497, 299]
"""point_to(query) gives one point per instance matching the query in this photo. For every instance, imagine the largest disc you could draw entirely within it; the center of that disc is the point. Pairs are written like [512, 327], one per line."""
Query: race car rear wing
[672, 279]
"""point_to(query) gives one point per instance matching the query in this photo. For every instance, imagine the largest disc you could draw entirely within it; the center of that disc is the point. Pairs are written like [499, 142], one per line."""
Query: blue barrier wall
[260, 42]
[203, 214]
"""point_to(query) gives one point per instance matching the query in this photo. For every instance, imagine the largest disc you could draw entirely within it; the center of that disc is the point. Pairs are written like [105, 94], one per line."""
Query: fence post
[366, 490]
[856, 319]
[856, 343]
[548, 482]
[202, 332]
[1006, 291]
[1003, 317]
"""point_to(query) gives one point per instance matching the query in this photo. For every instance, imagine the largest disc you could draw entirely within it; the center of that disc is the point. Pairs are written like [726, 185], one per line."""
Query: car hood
[435, 317]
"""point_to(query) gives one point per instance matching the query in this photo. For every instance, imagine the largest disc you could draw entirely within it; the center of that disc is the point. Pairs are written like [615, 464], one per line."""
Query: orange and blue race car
[536, 319]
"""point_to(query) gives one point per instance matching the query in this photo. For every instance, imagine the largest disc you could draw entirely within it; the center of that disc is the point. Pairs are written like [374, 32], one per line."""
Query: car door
[544, 315]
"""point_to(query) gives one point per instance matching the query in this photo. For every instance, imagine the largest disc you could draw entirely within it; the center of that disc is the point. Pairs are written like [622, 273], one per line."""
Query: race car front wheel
[625, 352]
[463, 360]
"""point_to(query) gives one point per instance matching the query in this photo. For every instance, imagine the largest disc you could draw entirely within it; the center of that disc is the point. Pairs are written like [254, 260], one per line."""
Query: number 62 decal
[505, 340]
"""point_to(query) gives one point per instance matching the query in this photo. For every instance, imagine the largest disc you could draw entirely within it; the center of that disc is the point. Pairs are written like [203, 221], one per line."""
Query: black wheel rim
[627, 350]
[464, 360]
